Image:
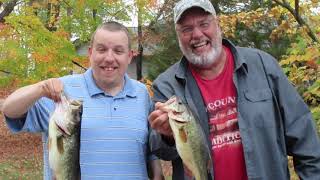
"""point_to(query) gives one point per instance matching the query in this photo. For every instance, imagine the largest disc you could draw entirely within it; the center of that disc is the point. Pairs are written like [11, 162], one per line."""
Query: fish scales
[189, 138]
[64, 139]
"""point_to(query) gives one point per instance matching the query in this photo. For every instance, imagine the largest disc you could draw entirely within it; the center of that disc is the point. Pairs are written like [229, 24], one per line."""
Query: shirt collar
[240, 60]
[128, 89]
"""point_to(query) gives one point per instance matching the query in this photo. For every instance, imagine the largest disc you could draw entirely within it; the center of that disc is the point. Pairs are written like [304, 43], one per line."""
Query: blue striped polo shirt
[114, 129]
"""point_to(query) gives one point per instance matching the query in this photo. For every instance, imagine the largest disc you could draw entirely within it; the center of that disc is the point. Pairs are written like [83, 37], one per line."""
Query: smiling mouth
[196, 45]
[199, 46]
[109, 68]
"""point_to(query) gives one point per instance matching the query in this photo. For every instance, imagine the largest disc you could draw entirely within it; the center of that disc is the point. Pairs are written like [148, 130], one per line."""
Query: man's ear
[89, 50]
[217, 21]
[130, 56]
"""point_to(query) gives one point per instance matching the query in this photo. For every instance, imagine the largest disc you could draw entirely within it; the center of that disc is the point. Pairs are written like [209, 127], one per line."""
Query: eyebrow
[120, 47]
[116, 46]
[99, 45]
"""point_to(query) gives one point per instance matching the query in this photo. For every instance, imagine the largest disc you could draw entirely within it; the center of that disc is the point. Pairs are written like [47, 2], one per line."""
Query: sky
[134, 21]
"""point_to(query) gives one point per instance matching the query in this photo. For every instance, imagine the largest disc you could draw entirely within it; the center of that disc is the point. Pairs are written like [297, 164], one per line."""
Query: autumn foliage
[37, 38]
[301, 61]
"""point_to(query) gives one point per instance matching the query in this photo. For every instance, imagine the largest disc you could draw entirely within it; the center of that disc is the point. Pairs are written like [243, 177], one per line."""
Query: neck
[112, 89]
[215, 69]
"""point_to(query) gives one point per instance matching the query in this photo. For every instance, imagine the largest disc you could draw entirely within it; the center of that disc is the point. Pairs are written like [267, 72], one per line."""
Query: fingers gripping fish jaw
[64, 139]
[190, 140]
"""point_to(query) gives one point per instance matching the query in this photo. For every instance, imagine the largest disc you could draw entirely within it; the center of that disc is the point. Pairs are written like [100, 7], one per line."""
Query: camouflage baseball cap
[183, 5]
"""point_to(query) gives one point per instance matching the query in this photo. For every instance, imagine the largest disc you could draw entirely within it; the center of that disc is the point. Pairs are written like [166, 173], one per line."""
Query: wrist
[40, 86]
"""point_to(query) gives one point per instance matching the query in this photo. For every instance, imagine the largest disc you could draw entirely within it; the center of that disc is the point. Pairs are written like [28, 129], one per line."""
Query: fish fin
[183, 135]
[60, 145]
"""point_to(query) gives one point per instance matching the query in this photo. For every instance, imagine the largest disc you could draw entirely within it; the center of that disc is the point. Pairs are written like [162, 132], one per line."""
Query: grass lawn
[21, 168]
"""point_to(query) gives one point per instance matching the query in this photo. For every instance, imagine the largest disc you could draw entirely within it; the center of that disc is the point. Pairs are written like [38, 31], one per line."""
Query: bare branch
[119, 11]
[296, 6]
[6, 72]
[79, 65]
[297, 16]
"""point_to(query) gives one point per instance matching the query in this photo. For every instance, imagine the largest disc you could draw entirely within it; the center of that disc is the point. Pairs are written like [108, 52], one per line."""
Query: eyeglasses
[202, 25]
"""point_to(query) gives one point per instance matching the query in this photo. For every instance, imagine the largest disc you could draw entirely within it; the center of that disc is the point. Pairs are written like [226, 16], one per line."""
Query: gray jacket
[274, 121]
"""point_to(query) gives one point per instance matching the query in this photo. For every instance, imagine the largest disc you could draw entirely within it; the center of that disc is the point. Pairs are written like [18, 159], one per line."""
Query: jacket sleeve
[158, 145]
[302, 140]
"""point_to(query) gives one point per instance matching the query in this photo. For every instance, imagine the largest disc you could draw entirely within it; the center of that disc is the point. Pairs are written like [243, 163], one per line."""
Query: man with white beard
[251, 114]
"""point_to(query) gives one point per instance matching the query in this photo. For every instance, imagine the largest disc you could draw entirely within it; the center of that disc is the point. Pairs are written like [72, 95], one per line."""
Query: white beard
[206, 59]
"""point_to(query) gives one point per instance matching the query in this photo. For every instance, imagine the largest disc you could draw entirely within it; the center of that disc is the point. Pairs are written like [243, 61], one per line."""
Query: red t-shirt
[220, 98]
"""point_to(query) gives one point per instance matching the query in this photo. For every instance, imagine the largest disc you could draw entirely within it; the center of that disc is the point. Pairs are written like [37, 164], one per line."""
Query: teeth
[200, 44]
[108, 68]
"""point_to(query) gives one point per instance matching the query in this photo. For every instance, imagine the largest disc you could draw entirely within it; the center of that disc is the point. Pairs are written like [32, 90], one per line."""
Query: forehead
[193, 13]
[107, 37]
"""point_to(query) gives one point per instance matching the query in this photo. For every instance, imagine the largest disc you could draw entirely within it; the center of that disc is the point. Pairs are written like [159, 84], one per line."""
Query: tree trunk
[35, 10]
[295, 12]
[140, 47]
[94, 14]
[52, 16]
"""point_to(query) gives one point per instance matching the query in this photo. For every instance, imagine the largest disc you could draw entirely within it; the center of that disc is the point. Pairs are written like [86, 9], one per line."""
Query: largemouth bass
[190, 140]
[64, 139]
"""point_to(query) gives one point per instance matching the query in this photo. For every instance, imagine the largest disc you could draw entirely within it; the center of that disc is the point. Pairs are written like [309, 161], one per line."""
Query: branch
[52, 16]
[69, 8]
[120, 10]
[296, 6]
[152, 23]
[285, 4]
[297, 17]
[66, 3]
[4, 71]
[76, 63]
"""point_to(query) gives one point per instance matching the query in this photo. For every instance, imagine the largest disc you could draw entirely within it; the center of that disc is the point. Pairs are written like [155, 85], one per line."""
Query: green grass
[27, 168]
[21, 168]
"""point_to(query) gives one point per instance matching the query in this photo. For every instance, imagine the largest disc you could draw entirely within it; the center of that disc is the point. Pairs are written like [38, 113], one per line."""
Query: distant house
[82, 50]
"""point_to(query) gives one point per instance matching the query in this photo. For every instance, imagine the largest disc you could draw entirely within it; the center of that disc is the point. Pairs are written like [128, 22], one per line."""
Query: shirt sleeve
[302, 140]
[158, 145]
[35, 120]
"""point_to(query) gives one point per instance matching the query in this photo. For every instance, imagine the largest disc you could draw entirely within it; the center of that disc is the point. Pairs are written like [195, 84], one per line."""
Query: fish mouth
[179, 121]
[174, 115]
[76, 102]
